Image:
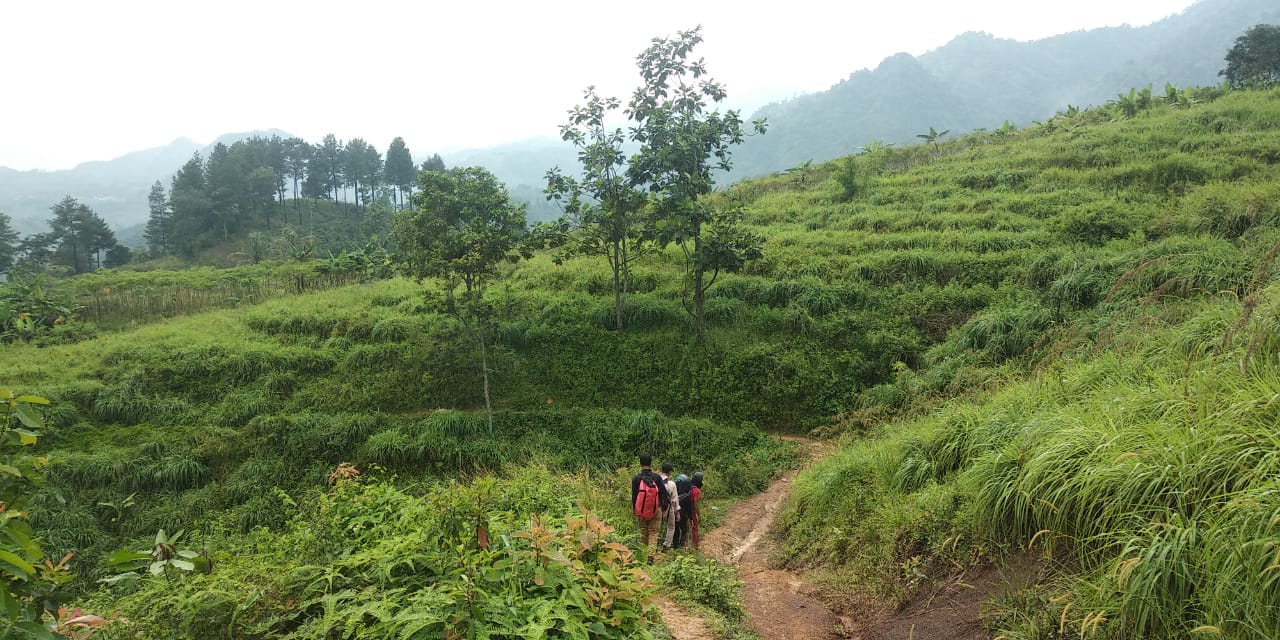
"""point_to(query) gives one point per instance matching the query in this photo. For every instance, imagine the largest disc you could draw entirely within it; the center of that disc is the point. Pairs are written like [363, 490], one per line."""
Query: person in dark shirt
[684, 493]
[648, 527]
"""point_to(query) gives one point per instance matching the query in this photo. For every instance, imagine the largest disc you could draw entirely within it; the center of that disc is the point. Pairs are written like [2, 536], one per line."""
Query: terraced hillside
[1058, 336]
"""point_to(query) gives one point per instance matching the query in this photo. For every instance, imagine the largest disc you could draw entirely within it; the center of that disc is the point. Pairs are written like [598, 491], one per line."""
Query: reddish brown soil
[781, 605]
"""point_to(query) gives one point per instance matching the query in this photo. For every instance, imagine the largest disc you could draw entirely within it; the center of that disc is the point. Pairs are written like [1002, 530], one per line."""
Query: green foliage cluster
[497, 558]
[705, 582]
[30, 310]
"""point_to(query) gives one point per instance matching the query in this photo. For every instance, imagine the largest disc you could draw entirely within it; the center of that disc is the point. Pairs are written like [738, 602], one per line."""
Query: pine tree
[296, 155]
[191, 209]
[8, 242]
[399, 171]
[434, 163]
[81, 235]
[160, 221]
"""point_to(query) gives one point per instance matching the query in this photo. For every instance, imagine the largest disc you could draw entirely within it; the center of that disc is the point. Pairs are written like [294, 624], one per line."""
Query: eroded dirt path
[780, 606]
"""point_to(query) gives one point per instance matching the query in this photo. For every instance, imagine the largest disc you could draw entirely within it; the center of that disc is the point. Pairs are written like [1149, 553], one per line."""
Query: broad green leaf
[185, 565]
[15, 566]
[27, 417]
[157, 567]
[32, 400]
[26, 437]
[128, 560]
[187, 553]
[10, 605]
[35, 630]
[11, 470]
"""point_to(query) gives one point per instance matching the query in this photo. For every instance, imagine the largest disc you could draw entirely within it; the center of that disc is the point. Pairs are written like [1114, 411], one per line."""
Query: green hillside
[1060, 338]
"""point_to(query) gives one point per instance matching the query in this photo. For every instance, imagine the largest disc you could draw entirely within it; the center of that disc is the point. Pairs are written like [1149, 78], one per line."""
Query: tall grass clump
[1148, 474]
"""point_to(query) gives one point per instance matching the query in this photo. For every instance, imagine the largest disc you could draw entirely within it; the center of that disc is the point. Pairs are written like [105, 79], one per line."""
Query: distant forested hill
[977, 80]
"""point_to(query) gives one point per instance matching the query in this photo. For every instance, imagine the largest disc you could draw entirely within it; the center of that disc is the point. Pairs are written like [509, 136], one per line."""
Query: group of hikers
[660, 499]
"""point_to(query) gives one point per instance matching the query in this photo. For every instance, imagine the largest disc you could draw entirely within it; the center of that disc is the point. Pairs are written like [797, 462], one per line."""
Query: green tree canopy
[602, 206]
[81, 235]
[398, 170]
[1254, 60]
[434, 163]
[8, 241]
[462, 227]
[682, 140]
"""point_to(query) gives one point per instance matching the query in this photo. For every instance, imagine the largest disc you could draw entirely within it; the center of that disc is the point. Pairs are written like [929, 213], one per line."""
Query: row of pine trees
[212, 199]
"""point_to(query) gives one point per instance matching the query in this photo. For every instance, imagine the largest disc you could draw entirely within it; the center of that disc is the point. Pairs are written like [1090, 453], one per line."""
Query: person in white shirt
[669, 516]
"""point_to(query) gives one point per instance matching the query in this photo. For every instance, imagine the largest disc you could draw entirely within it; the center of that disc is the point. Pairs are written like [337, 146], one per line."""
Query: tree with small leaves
[602, 207]
[682, 140]
[461, 229]
[8, 242]
[1254, 60]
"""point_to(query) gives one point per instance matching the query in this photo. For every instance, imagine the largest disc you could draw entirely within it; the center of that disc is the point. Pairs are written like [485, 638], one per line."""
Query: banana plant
[932, 138]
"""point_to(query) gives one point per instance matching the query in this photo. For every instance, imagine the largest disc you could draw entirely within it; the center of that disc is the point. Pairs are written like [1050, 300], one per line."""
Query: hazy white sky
[94, 79]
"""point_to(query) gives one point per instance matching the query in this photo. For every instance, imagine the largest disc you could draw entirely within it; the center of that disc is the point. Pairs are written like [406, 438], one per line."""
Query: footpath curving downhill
[780, 605]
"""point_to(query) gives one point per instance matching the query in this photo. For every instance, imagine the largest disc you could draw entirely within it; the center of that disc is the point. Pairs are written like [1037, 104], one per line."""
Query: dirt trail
[782, 606]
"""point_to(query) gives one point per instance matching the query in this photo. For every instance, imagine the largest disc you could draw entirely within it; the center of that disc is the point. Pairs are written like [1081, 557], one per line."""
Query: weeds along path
[780, 606]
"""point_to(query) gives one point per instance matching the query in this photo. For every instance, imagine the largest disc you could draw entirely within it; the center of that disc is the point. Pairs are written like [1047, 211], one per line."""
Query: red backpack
[647, 500]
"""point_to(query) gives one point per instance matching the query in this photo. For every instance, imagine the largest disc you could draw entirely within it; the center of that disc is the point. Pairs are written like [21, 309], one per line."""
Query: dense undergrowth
[1097, 290]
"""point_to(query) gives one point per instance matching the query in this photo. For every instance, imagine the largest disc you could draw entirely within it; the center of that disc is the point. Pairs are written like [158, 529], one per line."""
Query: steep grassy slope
[1124, 407]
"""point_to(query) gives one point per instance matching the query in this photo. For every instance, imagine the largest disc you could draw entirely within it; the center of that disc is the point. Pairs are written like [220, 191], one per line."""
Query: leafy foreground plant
[367, 560]
[31, 583]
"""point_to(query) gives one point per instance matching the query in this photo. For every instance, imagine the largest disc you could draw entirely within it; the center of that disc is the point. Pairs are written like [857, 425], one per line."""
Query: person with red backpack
[695, 518]
[649, 499]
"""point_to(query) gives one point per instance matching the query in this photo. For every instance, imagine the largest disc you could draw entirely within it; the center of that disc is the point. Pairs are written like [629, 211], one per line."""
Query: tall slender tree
[191, 208]
[462, 227]
[681, 142]
[159, 229]
[8, 241]
[399, 171]
[602, 206]
[227, 186]
[330, 155]
[296, 155]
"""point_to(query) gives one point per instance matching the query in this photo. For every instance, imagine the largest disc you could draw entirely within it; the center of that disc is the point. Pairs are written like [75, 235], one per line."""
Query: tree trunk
[484, 370]
[619, 286]
[698, 292]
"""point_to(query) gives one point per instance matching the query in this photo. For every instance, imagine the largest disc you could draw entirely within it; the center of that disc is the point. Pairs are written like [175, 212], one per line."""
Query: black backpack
[684, 487]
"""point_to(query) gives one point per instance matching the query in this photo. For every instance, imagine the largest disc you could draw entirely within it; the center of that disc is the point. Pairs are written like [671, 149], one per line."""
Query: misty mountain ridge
[978, 81]
[116, 189]
[974, 81]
